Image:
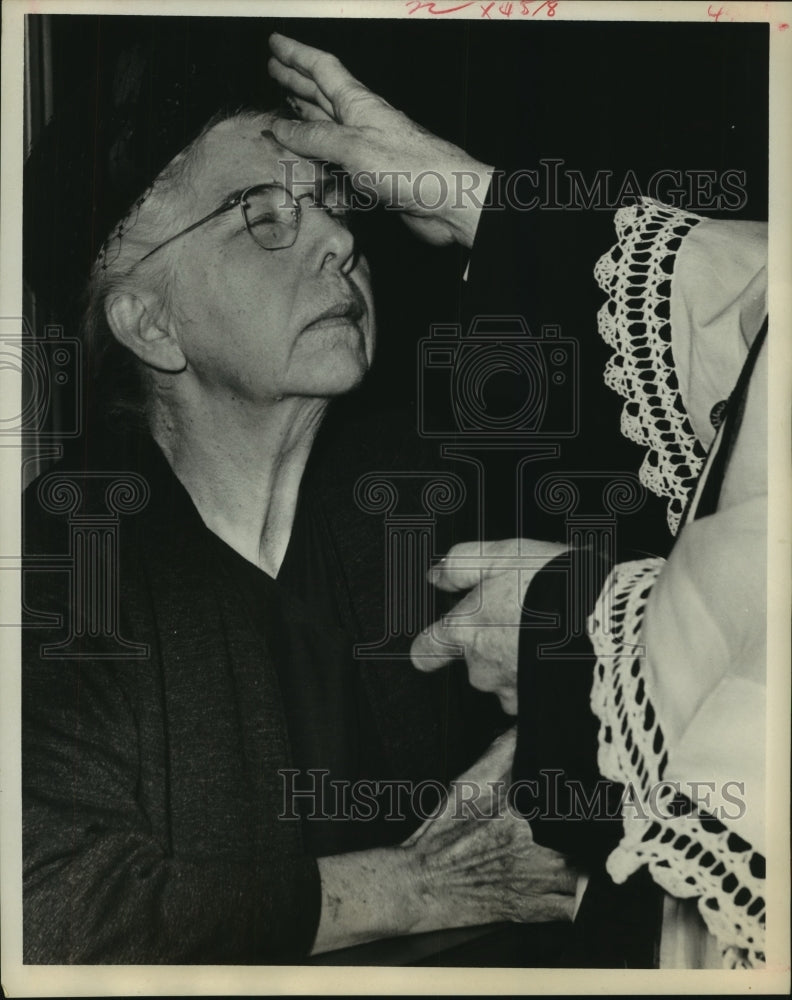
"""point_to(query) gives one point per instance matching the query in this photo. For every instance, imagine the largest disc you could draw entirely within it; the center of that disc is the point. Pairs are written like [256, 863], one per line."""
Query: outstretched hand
[484, 626]
[438, 186]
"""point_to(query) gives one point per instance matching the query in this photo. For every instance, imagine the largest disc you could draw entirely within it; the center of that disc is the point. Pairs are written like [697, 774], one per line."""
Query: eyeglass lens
[272, 217]
[272, 214]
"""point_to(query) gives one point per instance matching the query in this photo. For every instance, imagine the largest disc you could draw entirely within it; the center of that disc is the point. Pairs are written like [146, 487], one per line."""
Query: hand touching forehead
[242, 151]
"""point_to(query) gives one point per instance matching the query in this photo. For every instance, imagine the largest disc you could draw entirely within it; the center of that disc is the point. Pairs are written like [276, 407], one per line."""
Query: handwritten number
[503, 9]
[551, 8]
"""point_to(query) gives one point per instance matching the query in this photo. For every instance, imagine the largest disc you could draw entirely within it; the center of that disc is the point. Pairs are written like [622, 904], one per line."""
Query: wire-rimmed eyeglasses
[271, 214]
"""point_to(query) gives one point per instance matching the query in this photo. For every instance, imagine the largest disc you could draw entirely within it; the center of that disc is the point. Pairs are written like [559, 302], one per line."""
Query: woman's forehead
[239, 152]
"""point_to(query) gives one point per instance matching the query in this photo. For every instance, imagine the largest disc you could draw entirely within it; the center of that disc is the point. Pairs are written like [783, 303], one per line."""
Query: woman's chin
[344, 373]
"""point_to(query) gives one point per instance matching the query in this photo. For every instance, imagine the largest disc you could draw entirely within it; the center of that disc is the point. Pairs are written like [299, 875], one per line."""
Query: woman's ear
[136, 325]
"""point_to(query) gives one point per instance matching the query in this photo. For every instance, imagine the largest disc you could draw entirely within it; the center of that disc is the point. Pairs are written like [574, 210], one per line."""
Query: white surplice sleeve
[679, 686]
[686, 296]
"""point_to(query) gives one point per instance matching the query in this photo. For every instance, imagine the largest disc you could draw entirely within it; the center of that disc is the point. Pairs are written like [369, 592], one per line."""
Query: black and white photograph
[397, 480]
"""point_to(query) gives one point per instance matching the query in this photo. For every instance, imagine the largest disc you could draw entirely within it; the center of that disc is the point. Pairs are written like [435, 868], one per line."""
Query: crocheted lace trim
[688, 852]
[635, 321]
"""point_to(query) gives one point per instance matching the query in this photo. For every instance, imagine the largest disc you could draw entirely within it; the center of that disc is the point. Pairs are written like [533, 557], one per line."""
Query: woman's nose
[335, 242]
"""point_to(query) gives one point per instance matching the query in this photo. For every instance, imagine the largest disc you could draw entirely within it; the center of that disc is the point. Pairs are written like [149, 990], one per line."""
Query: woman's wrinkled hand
[477, 862]
[474, 862]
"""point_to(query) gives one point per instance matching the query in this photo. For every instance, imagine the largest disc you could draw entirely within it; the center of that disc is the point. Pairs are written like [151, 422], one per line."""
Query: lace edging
[635, 321]
[688, 853]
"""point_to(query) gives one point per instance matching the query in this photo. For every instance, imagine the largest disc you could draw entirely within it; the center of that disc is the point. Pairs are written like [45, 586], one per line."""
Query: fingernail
[436, 566]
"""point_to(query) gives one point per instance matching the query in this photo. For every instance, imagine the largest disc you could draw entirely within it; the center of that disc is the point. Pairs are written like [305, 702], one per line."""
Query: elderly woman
[157, 742]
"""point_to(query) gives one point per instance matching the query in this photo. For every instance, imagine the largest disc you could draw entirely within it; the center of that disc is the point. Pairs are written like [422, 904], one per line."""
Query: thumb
[496, 761]
[323, 140]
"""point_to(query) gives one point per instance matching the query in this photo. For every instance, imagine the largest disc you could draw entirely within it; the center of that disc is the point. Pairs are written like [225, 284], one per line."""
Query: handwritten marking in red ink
[715, 15]
[491, 10]
[430, 6]
[783, 27]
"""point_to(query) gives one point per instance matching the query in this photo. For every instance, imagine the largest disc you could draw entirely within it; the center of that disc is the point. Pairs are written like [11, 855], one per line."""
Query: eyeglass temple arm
[207, 218]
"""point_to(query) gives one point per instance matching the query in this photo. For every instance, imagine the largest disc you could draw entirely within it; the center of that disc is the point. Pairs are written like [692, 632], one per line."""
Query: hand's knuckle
[479, 646]
[480, 681]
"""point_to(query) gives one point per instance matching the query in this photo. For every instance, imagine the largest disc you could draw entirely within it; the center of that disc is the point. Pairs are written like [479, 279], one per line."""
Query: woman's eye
[261, 217]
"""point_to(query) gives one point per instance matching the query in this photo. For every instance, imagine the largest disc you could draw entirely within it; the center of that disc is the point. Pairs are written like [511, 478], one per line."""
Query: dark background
[638, 97]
